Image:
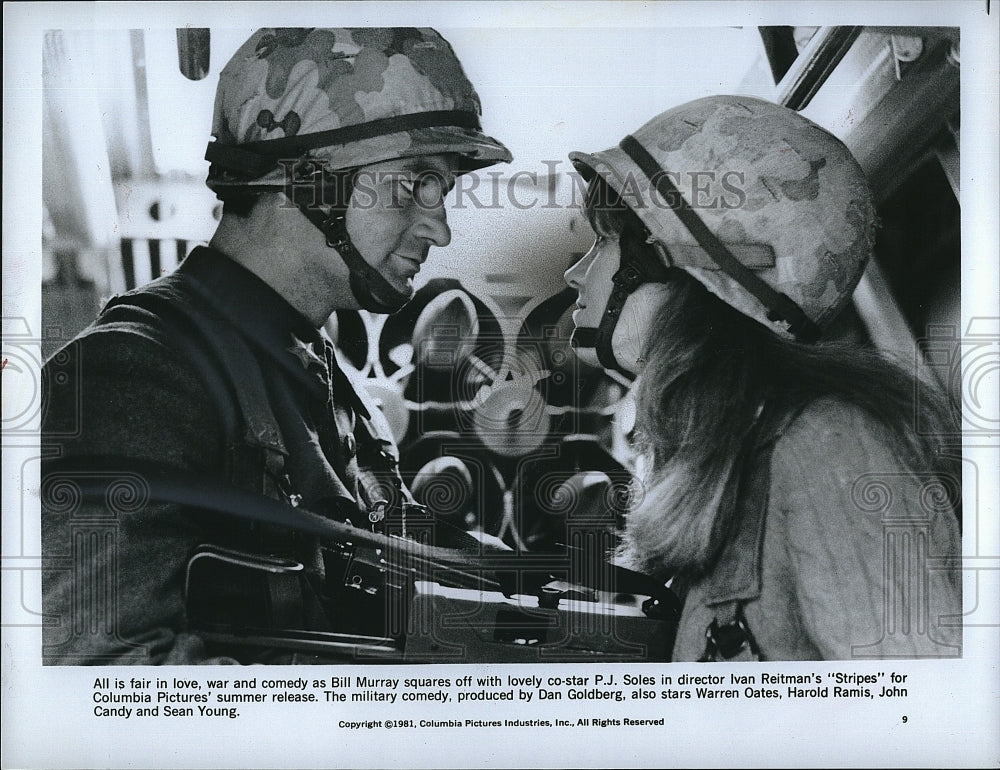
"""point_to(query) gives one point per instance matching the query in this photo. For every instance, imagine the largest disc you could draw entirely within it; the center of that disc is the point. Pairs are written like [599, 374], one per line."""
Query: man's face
[397, 213]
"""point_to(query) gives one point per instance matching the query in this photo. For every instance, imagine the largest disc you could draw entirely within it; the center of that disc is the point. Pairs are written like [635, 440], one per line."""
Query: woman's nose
[575, 276]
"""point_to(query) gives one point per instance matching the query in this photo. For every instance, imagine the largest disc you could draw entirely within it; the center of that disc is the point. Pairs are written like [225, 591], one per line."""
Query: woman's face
[592, 279]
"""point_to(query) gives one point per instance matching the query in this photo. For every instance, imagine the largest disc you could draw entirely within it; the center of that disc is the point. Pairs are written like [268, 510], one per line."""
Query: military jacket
[835, 542]
[207, 371]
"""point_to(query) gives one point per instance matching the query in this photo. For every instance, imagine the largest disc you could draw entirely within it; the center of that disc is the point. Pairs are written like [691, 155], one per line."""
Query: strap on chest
[256, 448]
[737, 575]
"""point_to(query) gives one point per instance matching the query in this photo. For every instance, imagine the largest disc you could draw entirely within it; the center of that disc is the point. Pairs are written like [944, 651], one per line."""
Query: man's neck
[281, 248]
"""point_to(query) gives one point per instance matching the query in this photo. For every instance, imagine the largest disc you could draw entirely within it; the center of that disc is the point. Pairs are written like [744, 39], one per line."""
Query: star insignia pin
[304, 352]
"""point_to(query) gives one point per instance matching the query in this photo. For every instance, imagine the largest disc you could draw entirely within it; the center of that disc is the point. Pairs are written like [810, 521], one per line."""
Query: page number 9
[904, 719]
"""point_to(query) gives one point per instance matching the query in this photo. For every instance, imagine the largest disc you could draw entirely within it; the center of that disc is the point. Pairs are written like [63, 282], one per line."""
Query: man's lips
[415, 262]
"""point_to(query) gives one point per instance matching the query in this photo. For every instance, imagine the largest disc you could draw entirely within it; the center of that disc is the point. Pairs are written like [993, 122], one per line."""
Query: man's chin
[405, 290]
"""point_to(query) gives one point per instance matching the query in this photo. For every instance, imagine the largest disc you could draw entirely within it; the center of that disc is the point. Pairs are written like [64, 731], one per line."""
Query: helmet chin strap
[369, 287]
[600, 338]
[587, 337]
[637, 269]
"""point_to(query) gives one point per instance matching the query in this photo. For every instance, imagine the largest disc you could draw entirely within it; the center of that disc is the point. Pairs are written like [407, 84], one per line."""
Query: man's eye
[430, 188]
[421, 185]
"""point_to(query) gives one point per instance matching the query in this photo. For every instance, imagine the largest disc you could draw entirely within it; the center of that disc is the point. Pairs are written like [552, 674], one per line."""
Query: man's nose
[433, 225]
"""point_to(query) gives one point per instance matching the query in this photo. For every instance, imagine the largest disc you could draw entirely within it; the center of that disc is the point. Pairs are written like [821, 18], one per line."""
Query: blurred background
[501, 429]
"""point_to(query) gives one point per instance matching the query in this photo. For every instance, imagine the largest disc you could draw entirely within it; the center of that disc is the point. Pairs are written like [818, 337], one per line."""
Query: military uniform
[771, 526]
[798, 566]
[147, 383]
[209, 372]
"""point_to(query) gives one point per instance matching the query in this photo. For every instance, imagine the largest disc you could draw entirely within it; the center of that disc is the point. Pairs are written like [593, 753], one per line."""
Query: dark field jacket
[208, 372]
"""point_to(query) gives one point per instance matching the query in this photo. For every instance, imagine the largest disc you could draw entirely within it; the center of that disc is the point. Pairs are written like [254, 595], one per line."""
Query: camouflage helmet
[765, 208]
[344, 98]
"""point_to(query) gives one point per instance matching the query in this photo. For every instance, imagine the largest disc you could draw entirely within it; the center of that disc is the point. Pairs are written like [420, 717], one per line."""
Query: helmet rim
[794, 272]
[285, 84]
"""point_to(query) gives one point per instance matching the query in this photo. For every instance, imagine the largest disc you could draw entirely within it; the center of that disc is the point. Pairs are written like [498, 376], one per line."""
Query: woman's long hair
[709, 372]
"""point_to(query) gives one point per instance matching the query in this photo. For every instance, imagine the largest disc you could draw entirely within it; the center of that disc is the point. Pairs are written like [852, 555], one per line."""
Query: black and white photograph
[523, 384]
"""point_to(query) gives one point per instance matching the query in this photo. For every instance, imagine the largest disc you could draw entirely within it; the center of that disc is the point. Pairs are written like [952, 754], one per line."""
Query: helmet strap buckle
[372, 291]
[334, 227]
[629, 277]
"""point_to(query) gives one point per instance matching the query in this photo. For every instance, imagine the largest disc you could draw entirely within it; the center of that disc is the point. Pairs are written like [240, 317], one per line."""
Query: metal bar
[814, 65]
[947, 154]
[128, 263]
[779, 46]
[194, 51]
[155, 269]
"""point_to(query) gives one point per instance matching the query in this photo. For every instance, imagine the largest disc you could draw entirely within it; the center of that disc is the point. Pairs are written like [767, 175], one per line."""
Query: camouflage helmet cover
[795, 206]
[285, 83]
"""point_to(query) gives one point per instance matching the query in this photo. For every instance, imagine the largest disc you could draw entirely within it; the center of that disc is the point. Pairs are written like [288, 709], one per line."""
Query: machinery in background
[503, 432]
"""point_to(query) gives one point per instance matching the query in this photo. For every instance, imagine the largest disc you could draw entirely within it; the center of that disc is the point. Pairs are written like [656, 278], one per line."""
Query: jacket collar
[265, 318]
